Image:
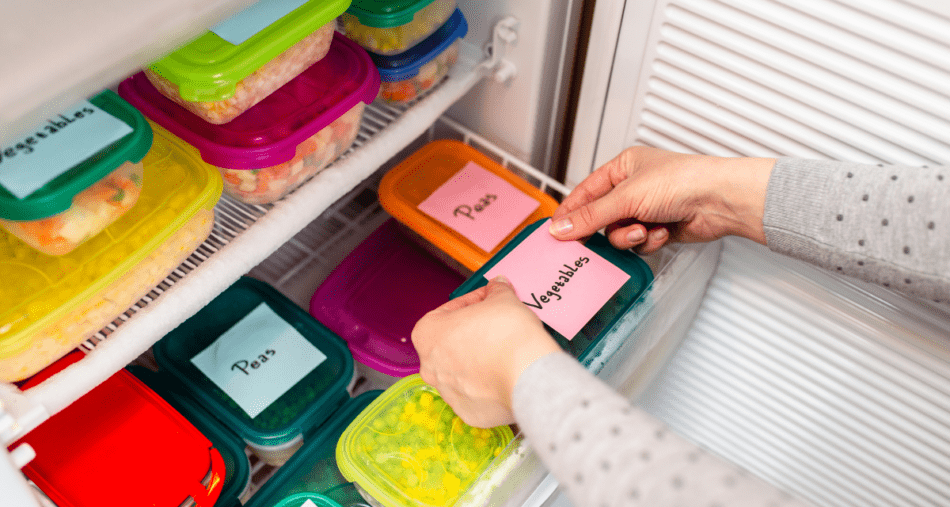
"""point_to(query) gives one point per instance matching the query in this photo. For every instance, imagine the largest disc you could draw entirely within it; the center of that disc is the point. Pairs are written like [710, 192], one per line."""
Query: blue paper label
[258, 360]
[57, 146]
[243, 25]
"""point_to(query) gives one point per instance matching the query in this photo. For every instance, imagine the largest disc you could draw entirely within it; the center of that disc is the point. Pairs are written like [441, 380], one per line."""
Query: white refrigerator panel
[833, 390]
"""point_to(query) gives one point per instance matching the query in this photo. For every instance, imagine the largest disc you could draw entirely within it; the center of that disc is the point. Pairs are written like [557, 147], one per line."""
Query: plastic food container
[312, 472]
[407, 75]
[261, 365]
[290, 136]
[218, 80]
[613, 310]
[375, 296]
[410, 183]
[122, 441]
[388, 28]
[408, 448]
[87, 198]
[57, 302]
[236, 487]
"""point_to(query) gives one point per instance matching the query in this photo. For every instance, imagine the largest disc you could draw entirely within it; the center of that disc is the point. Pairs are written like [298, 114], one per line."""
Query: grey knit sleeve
[605, 452]
[888, 225]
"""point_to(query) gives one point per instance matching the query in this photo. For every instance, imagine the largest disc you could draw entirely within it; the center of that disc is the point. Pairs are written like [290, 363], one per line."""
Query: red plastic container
[121, 444]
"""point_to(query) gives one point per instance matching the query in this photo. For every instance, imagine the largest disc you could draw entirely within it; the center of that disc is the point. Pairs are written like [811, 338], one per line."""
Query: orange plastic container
[412, 181]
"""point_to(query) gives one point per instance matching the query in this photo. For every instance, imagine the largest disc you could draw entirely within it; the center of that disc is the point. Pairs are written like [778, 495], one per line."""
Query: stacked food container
[261, 365]
[414, 43]
[266, 130]
[59, 301]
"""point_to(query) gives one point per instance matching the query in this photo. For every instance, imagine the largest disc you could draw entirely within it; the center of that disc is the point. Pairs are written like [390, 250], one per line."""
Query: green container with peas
[408, 448]
[261, 365]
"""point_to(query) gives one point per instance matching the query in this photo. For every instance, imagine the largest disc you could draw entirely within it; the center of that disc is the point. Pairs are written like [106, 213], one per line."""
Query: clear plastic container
[364, 300]
[408, 448]
[586, 344]
[288, 137]
[86, 198]
[409, 74]
[137, 448]
[57, 302]
[309, 392]
[388, 28]
[410, 183]
[313, 471]
[218, 80]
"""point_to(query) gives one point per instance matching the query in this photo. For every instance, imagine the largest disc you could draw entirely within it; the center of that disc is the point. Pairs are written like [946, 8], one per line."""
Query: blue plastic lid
[405, 65]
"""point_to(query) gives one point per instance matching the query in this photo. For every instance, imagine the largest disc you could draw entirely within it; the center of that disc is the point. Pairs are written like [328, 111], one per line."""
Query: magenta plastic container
[375, 296]
[278, 144]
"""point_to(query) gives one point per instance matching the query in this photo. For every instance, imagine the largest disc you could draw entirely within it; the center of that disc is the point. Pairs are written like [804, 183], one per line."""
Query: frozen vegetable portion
[413, 450]
[254, 88]
[261, 186]
[396, 39]
[401, 92]
[92, 211]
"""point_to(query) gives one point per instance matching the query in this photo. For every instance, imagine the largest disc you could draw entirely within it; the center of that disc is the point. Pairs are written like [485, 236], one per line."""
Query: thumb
[590, 218]
[500, 288]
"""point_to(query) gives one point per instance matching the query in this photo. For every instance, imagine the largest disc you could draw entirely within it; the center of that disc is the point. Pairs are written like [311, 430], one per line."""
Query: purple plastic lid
[375, 296]
[268, 133]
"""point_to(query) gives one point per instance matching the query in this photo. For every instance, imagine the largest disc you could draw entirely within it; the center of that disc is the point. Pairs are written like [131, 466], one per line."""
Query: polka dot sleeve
[888, 225]
[605, 452]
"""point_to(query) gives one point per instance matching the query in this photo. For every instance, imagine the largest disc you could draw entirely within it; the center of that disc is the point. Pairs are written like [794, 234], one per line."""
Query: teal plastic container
[585, 343]
[237, 478]
[278, 430]
[313, 470]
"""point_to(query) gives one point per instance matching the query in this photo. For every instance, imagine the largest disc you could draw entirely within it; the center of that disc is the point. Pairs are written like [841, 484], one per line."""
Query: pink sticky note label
[479, 205]
[563, 282]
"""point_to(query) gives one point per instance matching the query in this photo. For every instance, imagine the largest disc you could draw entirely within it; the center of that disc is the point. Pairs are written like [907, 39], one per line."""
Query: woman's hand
[646, 197]
[474, 348]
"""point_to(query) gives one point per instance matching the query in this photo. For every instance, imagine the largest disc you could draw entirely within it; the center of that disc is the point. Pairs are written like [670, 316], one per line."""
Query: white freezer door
[833, 390]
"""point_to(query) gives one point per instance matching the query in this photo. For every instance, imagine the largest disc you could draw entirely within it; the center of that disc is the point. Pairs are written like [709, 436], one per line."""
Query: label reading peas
[258, 360]
[245, 24]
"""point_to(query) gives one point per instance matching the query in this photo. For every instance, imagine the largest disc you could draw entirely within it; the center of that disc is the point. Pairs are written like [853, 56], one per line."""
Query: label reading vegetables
[258, 359]
[54, 147]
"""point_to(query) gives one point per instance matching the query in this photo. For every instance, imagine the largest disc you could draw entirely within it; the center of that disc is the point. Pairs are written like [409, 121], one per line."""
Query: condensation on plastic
[260, 84]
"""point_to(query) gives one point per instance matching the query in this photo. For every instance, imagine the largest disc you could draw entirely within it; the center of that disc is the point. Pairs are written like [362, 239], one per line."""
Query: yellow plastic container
[48, 305]
[408, 448]
[411, 182]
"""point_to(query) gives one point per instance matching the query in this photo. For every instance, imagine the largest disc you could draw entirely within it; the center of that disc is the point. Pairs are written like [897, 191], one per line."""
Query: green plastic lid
[584, 343]
[408, 448]
[313, 468]
[301, 499]
[57, 195]
[208, 68]
[305, 401]
[231, 447]
[385, 13]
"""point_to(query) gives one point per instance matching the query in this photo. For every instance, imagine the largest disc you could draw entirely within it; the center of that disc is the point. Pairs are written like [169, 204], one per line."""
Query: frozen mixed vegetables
[396, 39]
[92, 210]
[261, 186]
[257, 86]
[401, 92]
